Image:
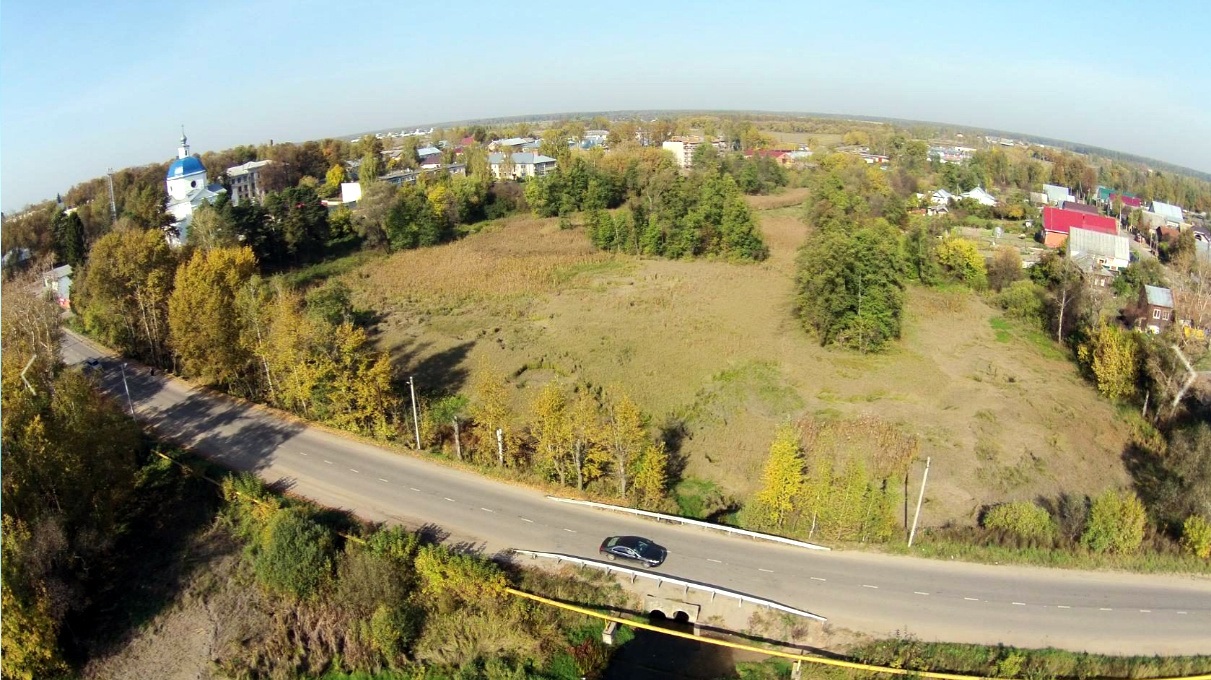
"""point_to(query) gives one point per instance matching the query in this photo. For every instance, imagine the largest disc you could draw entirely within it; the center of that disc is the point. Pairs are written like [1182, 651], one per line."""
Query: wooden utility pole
[415, 417]
[458, 444]
[920, 497]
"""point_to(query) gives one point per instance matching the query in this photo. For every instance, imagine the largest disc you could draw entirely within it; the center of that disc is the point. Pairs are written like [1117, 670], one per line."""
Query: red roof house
[1057, 222]
[1128, 201]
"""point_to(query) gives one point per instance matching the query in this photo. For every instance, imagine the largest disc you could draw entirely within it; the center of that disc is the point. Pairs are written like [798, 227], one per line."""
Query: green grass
[1001, 327]
[1146, 561]
[1010, 662]
[697, 498]
[321, 271]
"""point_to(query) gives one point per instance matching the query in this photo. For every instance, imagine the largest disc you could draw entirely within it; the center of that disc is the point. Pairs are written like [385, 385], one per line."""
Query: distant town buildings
[683, 148]
[246, 184]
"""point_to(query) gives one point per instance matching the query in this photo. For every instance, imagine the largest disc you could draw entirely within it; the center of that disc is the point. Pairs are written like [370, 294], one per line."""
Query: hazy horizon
[79, 97]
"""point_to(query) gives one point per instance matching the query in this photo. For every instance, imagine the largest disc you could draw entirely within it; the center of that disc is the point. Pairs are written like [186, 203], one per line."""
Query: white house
[1056, 195]
[58, 280]
[980, 196]
[1171, 213]
[524, 165]
[1099, 254]
[187, 190]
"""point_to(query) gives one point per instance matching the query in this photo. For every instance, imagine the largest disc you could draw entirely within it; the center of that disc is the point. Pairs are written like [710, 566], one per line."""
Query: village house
[1057, 223]
[1056, 195]
[979, 195]
[58, 282]
[1171, 214]
[1156, 306]
[1081, 207]
[1101, 256]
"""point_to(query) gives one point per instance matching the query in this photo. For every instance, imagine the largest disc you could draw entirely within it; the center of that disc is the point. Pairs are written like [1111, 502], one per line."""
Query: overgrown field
[712, 352]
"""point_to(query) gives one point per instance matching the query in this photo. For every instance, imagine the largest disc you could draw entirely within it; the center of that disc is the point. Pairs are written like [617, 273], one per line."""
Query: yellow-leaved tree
[624, 438]
[202, 315]
[489, 410]
[782, 479]
[552, 430]
[651, 476]
[1113, 355]
[589, 457]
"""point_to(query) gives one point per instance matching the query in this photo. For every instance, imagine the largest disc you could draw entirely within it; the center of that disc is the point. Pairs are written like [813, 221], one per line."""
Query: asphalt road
[879, 594]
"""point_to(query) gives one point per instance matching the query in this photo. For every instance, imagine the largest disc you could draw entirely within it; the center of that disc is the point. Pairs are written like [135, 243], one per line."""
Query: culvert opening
[657, 616]
[681, 617]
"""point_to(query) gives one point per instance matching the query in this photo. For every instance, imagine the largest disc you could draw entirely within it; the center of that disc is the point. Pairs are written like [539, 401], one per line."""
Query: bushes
[961, 260]
[293, 554]
[1196, 536]
[1116, 523]
[1024, 519]
[1021, 300]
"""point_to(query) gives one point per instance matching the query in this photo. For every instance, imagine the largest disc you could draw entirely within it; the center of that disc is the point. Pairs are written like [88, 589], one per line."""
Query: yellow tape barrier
[853, 665]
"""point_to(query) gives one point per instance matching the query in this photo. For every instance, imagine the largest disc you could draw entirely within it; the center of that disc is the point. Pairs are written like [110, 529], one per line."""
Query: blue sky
[84, 87]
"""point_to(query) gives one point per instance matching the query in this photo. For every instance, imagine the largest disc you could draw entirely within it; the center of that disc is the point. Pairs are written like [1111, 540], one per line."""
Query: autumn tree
[1116, 523]
[68, 234]
[209, 229]
[651, 476]
[624, 437]
[1113, 355]
[122, 295]
[1004, 268]
[201, 313]
[489, 411]
[782, 480]
[587, 453]
[961, 260]
[552, 431]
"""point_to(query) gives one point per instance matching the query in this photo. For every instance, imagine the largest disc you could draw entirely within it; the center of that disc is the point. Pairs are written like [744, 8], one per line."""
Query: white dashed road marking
[487, 510]
[917, 592]
[526, 520]
[352, 470]
[570, 531]
[1145, 611]
[1105, 609]
[414, 488]
[328, 462]
[715, 561]
[972, 599]
[817, 578]
[768, 571]
[870, 586]
[450, 499]
[383, 480]
[1063, 606]
[300, 453]
[1181, 612]
[1018, 604]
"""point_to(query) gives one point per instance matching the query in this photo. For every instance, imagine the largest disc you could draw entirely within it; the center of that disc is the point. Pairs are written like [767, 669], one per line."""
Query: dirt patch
[715, 346]
[784, 199]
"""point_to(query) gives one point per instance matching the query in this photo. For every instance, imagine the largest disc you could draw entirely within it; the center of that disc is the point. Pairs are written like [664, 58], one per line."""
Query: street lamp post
[126, 386]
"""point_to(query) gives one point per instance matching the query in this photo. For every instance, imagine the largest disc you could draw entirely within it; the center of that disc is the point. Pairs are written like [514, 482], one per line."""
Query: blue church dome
[185, 166]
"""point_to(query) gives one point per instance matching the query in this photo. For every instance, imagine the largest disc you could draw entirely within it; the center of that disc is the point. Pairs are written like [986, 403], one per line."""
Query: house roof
[514, 141]
[246, 168]
[1080, 207]
[1159, 297]
[766, 153]
[980, 196]
[427, 151]
[1095, 243]
[1056, 193]
[520, 158]
[1169, 212]
[1107, 195]
[1060, 221]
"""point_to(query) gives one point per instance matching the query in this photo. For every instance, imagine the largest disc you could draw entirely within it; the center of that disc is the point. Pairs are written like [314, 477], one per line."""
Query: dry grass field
[715, 345]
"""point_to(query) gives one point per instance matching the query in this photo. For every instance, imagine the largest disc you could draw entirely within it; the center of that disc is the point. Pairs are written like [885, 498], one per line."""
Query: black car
[634, 548]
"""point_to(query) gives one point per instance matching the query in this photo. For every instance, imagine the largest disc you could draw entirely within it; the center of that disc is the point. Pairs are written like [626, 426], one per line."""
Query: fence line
[692, 522]
[674, 580]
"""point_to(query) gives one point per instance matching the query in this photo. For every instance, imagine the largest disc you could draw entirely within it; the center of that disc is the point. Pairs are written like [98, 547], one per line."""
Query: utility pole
[129, 403]
[458, 444]
[415, 417]
[920, 497]
[500, 446]
[113, 207]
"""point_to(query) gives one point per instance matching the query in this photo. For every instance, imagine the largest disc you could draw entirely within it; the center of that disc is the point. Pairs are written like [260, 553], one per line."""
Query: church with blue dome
[187, 191]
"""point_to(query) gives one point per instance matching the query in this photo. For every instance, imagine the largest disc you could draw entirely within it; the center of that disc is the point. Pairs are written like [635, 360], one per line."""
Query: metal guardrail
[673, 579]
[693, 522]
